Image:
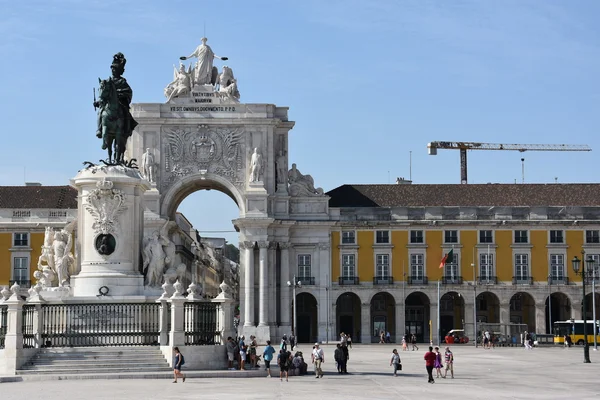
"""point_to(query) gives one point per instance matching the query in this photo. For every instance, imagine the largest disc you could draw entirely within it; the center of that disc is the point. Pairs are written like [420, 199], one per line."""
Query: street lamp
[474, 305]
[294, 284]
[576, 262]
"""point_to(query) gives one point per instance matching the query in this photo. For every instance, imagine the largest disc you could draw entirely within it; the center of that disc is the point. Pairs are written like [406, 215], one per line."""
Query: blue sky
[367, 82]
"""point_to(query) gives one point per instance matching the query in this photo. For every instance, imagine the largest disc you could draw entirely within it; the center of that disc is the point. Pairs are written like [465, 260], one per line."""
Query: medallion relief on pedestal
[105, 204]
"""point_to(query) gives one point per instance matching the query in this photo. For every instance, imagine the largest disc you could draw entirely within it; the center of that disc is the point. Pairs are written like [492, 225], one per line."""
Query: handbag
[399, 367]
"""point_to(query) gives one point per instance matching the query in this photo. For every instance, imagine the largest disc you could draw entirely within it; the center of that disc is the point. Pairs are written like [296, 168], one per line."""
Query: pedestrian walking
[413, 340]
[243, 348]
[318, 357]
[349, 341]
[395, 361]
[283, 344]
[292, 341]
[345, 358]
[230, 346]
[404, 345]
[252, 350]
[388, 337]
[438, 363]
[268, 357]
[429, 363]
[337, 356]
[449, 360]
[284, 359]
[178, 361]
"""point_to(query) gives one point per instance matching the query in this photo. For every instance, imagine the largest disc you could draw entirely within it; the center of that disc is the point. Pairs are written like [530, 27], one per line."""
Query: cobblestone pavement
[502, 373]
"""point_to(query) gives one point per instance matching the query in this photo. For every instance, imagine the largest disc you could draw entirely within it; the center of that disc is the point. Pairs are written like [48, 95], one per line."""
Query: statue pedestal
[109, 231]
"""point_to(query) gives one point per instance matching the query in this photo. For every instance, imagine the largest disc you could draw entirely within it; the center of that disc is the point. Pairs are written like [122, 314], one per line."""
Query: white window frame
[414, 266]
[344, 265]
[485, 230]
[562, 236]
[454, 265]
[557, 262]
[594, 236]
[515, 236]
[382, 265]
[388, 236]
[304, 266]
[596, 272]
[457, 236]
[27, 239]
[27, 261]
[410, 236]
[486, 263]
[521, 266]
[349, 233]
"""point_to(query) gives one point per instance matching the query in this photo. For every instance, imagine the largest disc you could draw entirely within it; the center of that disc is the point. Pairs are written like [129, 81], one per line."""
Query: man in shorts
[230, 346]
[284, 359]
[268, 357]
[449, 360]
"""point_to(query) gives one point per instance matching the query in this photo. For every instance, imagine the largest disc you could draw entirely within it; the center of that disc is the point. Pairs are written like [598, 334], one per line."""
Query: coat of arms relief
[202, 149]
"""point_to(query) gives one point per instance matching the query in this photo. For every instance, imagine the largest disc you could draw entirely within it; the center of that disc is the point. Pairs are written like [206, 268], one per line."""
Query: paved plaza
[502, 373]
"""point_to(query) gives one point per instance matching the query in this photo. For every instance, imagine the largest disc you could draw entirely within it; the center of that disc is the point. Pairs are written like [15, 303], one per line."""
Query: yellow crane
[464, 146]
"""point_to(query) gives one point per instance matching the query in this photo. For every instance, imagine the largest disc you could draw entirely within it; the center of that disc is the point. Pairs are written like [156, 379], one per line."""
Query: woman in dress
[395, 361]
[437, 364]
[177, 363]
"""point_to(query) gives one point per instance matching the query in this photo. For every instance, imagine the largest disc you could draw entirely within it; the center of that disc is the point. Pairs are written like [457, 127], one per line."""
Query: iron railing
[416, 280]
[306, 280]
[452, 280]
[21, 282]
[74, 325]
[383, 280]
[3, 324]
[558, 280]
[348, 280]
[522, 280]
[487, 280]
[29, 315]
[200, 324]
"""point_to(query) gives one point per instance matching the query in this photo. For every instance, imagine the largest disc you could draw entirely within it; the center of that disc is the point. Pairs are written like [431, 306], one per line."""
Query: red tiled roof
[64, 197]
[500, 195]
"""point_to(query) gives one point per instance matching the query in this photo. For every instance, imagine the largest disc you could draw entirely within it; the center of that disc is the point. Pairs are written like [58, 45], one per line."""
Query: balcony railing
[416, 280]
[306, 280]
[558, 280]
[452, 280]
[21, 282]
[487, 280]
[522, 280]
[348, 280]
[383, 280]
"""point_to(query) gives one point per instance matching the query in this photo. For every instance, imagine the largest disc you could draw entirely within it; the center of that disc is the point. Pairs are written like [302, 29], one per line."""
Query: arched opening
[522, 310]
[417, 316]
[488, 308]
[589, 306]
[307, 319]
[559, 310]
[452, 312]
[383, 316]
[347, 311]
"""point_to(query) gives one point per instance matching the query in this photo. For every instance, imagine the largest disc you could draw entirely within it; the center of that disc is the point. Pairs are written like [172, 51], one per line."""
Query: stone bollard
[177, 334]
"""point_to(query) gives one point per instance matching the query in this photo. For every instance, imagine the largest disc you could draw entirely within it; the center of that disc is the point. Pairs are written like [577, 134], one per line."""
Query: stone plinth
[109, 230]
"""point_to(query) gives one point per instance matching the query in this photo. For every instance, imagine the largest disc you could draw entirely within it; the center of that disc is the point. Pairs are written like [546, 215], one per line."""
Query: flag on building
[448, 258]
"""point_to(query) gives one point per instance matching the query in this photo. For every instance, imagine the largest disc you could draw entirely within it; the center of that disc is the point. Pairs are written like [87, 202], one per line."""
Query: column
[13, 341]
[400, 321]
[365, 323]
[249, 284]
[470, 330]
[286, 319]
[504, 317]
[164, 322]
[177, 334]
[263, 283]
[540, 317]
[433, 316]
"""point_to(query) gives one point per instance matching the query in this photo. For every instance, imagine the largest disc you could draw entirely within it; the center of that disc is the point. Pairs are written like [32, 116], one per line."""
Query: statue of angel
[182, 82]
[204, 72]
[63, 258]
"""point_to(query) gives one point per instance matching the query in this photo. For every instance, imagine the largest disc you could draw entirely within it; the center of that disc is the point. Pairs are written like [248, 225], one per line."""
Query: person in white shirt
[318, 357]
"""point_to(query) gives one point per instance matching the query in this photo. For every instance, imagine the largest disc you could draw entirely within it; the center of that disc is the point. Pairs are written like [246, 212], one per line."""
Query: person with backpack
[268, 357]
[178, 361]
[284, 359]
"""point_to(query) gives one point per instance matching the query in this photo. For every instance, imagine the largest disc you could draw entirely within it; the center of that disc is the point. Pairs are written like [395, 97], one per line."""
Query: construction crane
[464, 146]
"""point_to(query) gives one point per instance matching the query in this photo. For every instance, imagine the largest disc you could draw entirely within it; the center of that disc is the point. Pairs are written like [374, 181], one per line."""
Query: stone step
[96, 356]
[35, 377]
[86, 350]
[95, 364]
[101, 370]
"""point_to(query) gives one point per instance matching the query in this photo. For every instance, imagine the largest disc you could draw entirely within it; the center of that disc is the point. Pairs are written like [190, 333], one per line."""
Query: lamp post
[577, 263]
[474, 306]
[550, 303]
[294, 284]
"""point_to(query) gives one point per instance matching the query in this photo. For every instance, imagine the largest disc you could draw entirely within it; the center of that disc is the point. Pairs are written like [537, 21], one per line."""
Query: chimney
[33, 184]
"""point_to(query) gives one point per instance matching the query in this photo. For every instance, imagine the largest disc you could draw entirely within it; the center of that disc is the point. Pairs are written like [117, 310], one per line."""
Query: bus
[574, 328]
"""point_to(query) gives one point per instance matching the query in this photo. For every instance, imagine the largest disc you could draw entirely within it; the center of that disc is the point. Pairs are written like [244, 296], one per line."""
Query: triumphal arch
[204, 137]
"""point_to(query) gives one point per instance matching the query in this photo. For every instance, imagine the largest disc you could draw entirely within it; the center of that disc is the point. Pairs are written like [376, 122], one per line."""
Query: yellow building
[25, 212]
[512, 247]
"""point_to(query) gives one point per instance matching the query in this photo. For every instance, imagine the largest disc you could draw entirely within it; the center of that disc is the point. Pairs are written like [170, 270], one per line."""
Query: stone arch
[416, 311]
[589, 306]
[187, 185]
[560, 307]
[383, 315]
[307, 318]
[488, 307]
[522, 310]
[348, 315]
[452, 312]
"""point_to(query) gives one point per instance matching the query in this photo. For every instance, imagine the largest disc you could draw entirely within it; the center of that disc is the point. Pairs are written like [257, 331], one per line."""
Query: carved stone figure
[154, 260]
[203, 70]
[46, 255]
[225, 291]
[281, 167]
[148, 166]
[302, 185]
[182, 82]
[255, 166]
[228, 88]
[105, 204]
[115, 122]
[63, 258]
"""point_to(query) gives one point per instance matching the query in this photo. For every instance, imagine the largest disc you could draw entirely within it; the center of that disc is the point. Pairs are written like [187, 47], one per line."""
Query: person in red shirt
[429, 363]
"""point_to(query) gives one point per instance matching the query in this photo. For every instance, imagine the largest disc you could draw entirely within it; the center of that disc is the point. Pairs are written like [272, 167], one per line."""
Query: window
[556, 237]
[21, 213]
[21, 239]
[451, 269]
[21, 269]
[383, 265]
[592, 236]
[521, 237]
[304, 265]
[594, 270]
[416, 236]
[450, 236]
[348, 266]
[521, 267]
[486, 237]
[486, 266]
[417, 268]
[348, 237]
[382, 237]
[557, 266]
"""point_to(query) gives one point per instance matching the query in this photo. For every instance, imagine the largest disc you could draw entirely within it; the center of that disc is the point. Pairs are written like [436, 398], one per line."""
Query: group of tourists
[412, 339]
[433, 360]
